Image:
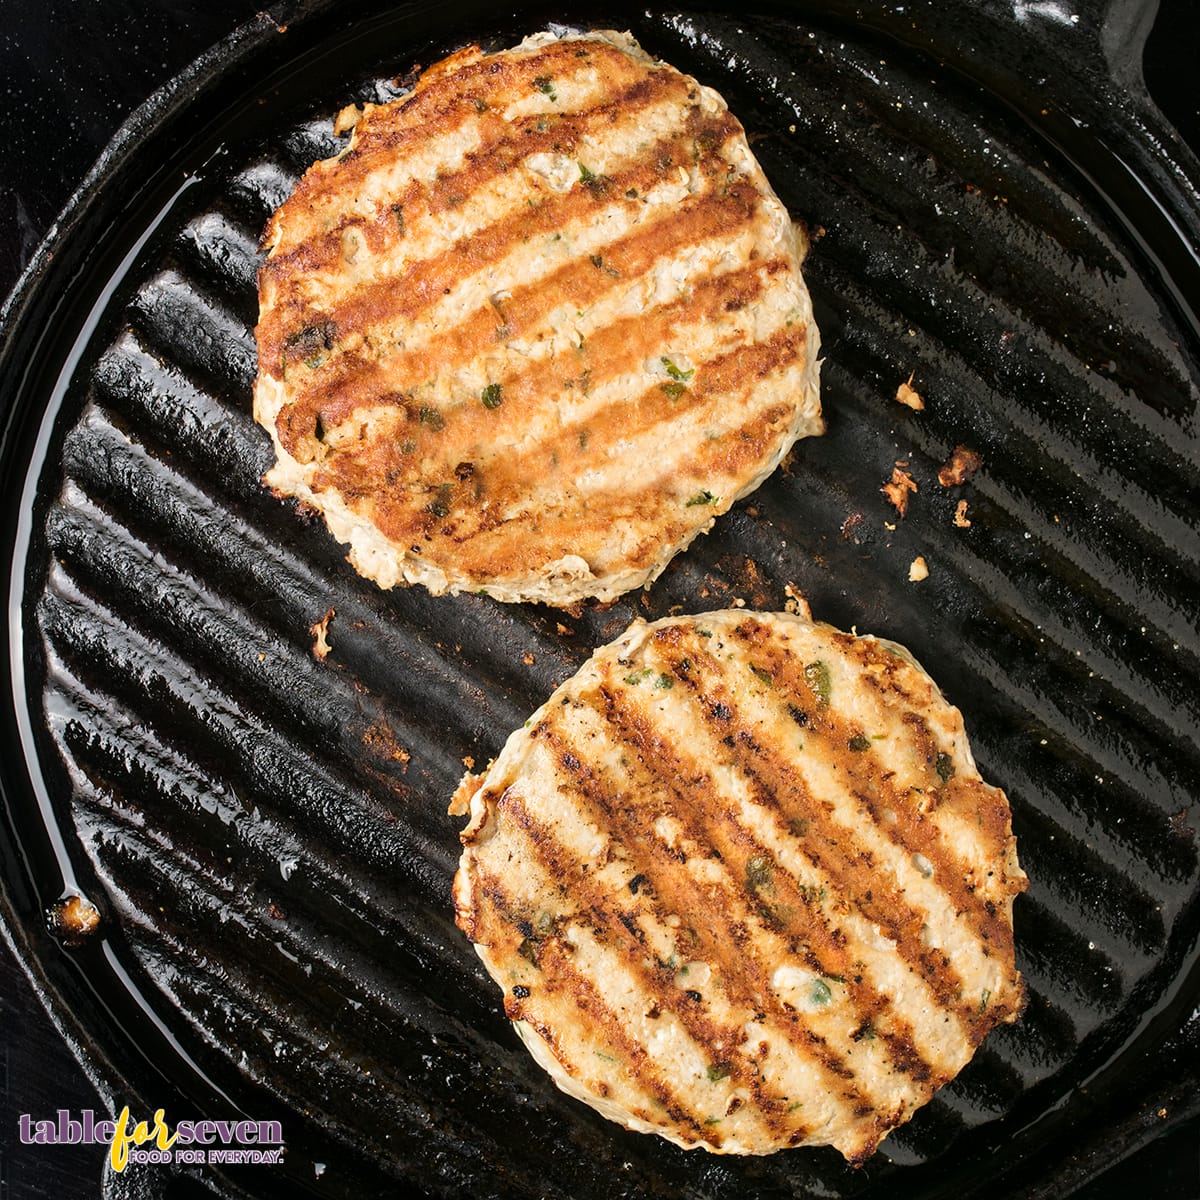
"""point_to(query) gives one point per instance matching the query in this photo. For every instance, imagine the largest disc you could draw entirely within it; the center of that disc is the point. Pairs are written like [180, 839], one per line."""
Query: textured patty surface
[742, 885]
[536, 327]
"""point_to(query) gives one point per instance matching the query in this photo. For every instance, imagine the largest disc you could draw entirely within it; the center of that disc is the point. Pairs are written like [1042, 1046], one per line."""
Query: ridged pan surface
[265, 831]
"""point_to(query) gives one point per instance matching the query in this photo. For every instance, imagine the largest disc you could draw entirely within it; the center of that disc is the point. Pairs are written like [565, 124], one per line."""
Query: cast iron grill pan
[265, 832]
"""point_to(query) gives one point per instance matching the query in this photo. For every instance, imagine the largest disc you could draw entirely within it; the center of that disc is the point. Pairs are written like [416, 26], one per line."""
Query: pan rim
[211, 70]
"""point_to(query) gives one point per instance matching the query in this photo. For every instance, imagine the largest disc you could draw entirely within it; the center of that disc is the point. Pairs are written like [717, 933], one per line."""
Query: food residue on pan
[73, 918]
[960, 516]
[962, 464]
[460, 802]
[918, 569]
[320, 632]
[382, 740]
[346, 119]
[1180, 826]
[796, 604]
[907, 395]
[898, 487]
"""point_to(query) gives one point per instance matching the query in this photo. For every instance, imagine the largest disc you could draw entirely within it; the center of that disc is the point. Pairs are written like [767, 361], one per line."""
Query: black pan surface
[1001, 214]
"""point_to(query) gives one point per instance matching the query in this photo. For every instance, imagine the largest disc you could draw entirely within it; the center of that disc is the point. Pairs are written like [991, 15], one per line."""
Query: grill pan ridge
[265, 832]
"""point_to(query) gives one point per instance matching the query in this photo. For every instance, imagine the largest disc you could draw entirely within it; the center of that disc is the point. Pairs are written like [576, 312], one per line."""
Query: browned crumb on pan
[963, 463]
[918, 569]
[850, 525]
[898, 488]
[960, 516]
[382, 740]
[320, 633]
[907, 395]
[1180, 827]
[74, 918]
[460, 802]
[796, 603]
[346, 119]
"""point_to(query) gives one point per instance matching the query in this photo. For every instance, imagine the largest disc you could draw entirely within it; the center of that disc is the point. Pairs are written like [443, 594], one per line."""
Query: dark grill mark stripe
[701, 808]
[594, 907]
[516, 484]
[424, 282]
[502, 147]
[831, 846]
[870, 782]
[727, 914]
[440, 107]
[499, 552]
[497, 927]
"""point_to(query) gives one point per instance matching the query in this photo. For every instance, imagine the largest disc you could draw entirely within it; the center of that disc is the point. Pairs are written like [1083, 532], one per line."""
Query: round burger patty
[537, 325]
[742, 885]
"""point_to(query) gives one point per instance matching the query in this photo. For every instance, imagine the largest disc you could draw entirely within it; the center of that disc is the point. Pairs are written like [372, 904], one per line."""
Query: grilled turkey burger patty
[742, 885]
[535, 327]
